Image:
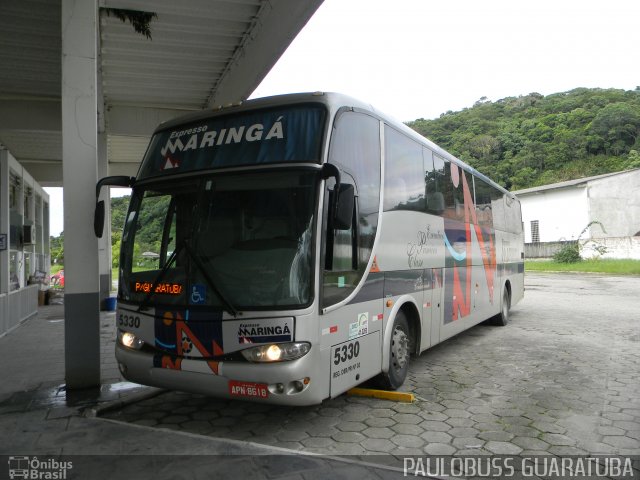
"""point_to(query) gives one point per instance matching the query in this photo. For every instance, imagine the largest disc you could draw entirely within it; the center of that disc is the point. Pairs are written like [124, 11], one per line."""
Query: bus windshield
[235, 241]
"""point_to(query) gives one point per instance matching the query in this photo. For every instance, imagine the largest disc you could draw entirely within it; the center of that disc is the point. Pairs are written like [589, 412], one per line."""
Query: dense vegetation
[56, 248]
[535, 140]
[518, 142]
[119, 206]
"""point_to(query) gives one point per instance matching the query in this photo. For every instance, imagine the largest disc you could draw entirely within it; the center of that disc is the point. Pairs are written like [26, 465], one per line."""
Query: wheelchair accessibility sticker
[198, 294]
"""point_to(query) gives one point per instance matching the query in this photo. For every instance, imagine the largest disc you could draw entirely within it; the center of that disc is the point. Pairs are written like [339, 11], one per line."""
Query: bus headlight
[129, 340]
[277, 352]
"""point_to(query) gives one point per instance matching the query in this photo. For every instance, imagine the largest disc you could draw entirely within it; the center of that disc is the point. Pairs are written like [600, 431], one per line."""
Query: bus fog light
[129, 340]
[277, 352]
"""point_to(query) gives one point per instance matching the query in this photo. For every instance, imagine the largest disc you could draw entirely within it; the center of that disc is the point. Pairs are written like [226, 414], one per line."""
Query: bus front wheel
[399, 353]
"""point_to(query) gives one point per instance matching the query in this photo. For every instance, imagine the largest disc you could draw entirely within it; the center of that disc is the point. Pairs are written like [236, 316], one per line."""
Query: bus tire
[399, 353]
[502, 319]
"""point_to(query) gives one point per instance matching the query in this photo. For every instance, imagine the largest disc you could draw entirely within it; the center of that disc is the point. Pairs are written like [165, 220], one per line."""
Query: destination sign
[286, 134]
[161, 288]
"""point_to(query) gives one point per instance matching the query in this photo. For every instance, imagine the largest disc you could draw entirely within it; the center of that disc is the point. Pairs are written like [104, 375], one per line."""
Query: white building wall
[18, 300]
[562, 213]
[624, 247]
[615, 202]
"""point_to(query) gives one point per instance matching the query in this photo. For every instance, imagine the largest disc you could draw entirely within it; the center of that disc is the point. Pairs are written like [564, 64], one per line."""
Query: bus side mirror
[98, 214]
[345, 199]
[98, 219]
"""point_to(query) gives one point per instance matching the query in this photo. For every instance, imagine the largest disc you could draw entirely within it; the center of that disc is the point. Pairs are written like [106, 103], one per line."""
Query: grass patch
[56, 267]
[611, 266]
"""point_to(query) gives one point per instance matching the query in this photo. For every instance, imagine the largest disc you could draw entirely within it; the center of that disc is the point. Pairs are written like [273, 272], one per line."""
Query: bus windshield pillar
[104, 243]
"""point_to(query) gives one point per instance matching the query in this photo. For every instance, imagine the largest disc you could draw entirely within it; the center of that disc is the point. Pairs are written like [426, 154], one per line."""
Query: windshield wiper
[227, 304]
[160, 276]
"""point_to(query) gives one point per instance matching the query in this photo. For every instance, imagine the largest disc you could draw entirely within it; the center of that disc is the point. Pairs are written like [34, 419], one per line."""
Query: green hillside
[535, 140]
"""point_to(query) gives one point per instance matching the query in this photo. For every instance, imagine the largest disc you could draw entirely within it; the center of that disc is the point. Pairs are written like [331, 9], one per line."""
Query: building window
[535, 231]
[15, 212]
[14, 271]
[28, 205]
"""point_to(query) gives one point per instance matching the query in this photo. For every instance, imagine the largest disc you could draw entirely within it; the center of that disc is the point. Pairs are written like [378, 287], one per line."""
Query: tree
[115, 253]
[633, 160]
[533, 140]
[56, 246]
[619, 125]
[485, 148]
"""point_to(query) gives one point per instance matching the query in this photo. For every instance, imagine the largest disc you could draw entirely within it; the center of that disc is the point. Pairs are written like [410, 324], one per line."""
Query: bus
[287, 249]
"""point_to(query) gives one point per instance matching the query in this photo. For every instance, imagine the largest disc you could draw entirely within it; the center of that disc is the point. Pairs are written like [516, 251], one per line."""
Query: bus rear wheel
[399, 353]
[502, 319]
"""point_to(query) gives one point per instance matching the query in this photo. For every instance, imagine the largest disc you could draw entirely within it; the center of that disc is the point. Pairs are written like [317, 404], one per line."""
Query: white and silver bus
[289, 248]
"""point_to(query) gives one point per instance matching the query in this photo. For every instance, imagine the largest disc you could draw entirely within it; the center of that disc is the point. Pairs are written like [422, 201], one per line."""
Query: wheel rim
[400, 348]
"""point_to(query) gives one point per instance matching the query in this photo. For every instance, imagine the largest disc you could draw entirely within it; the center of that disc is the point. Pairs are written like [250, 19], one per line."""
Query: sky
[420, 58]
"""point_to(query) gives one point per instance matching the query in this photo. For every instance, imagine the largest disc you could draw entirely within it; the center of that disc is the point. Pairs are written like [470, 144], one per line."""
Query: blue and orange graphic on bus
[460, 226]
[180, 335]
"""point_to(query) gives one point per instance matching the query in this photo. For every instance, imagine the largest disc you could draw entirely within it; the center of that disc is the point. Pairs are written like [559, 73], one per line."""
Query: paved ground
[34, 352]
[563, 378]
[39, 419]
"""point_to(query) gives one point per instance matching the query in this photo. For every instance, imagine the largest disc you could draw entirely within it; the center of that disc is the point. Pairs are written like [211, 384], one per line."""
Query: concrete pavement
[41, 421]
[562, 379]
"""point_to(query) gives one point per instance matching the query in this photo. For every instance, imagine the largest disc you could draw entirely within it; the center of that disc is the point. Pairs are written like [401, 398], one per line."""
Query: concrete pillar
[104, 243]
[4, 231]
[19, 252]
[28, 218]
[5, 321]
[80, 174]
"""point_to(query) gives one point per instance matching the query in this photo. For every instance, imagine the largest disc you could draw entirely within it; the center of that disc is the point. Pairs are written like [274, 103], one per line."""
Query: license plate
[248, 389]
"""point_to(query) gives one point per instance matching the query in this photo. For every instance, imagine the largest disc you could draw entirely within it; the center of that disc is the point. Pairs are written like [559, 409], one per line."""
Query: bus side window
[439, 188]
[485, 197]
[355, 149]
[433, 173]
[454, 195]
[513, 218]
[403, 181]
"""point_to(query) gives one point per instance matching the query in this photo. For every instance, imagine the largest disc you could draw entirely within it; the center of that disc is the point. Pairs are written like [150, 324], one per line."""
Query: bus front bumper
[297, 382]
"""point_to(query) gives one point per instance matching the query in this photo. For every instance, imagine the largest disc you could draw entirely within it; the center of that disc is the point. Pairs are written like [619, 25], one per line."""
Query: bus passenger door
[436, 294]
[425, 328]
